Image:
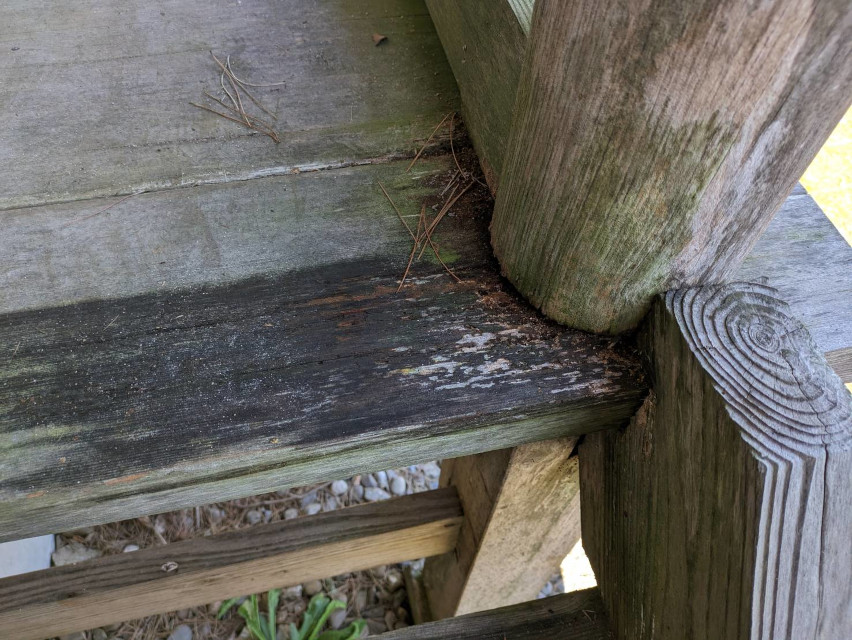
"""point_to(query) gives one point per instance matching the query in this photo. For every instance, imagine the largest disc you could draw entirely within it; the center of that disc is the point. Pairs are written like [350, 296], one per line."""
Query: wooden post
[521, 509]
[652, 142]
[724, 510]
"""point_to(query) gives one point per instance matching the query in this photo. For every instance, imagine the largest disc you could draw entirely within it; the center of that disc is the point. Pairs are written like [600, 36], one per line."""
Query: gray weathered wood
[176, 396]
[804, 256]
[485, 44]
[570, 616]
[126, 586]
[522, 516]
[652, 142]
[724, 509]
[95, 93]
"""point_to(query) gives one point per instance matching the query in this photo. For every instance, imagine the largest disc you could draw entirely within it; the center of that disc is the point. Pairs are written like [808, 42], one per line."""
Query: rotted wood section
[184, 574]
[571, 616]
[724, 508]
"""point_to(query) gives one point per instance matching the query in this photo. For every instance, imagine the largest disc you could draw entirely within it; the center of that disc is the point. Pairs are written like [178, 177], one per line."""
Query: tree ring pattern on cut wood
[776, 384]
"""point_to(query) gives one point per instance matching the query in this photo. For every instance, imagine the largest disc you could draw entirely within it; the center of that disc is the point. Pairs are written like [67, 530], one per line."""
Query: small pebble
[337, 618]
[358, 492]
[130, 547]
[329, 505]
[376, 627]
[283, 633]
[339, 487]
[215, 515]
[293, 592]
[390, 619]
[309, 498]
[313, 508]
[382, 479]
[380, 571]
[254, 516]
[361, 600]
[398, 486]
[394, 580]
[546, 590]
[182, 632]
[99, 634]
[291, 513]
[312, 588]
[374, 494]
[74, 636]
[267, 514]
[369, 481]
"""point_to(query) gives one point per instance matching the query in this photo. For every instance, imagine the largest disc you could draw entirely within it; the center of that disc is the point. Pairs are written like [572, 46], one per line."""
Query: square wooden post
[724, 510]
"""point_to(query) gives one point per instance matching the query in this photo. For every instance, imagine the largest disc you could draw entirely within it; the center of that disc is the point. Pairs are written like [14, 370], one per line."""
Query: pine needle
[428, 140]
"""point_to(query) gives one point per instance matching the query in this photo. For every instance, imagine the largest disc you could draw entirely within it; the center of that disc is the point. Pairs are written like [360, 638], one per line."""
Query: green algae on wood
[640, 161]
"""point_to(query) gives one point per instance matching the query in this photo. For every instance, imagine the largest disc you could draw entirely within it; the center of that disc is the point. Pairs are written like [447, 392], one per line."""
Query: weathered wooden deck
[235, 327]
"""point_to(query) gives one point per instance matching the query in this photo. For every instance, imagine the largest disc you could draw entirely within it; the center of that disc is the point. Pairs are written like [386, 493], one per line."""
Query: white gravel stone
[313, 508]
[382, 479]
[130, 547]
[73, 552]
[293, 592]
[374, 494]
[358, 492]
[369, 481]
[398, 486]
[339, 487]
[312, 588]
[291, 513]
[431, 470]
[254, 516]
[181, 632]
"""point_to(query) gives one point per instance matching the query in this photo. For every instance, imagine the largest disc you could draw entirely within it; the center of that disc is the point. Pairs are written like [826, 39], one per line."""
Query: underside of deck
[234, 326]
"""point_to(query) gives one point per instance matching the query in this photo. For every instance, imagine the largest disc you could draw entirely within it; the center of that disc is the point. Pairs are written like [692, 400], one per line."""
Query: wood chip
[379, 39]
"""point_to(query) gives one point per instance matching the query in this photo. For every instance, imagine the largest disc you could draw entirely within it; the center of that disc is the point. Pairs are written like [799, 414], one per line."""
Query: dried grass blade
[398, 214]
[428, 140]
[413, 248]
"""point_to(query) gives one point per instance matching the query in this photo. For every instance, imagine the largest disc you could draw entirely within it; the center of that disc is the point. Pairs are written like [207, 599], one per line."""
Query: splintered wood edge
[120, 587]
[777, 386]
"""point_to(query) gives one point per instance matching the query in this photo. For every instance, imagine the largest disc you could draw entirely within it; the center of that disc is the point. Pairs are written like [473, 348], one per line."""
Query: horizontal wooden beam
[130, 585]
[570, 616]
[169, 397]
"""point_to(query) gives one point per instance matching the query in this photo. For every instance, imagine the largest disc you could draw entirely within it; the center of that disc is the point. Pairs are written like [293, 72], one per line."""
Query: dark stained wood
[724, 508]
[653, 141]
[485, 44]
[96, 93]
[570, 616]
[804, 256]
[130, 585]
[172, 398]
[522, 517]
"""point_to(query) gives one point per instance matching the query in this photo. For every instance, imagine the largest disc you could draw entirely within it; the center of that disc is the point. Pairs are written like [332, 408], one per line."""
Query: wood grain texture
[96, 93]
[805, 258]
[485, 44]
[522, 516]
[318, 369]
[724, 509]
[131, 585]
[652, 142]
[569, 616]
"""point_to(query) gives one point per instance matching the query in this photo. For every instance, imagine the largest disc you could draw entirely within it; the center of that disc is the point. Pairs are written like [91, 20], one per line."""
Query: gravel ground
[378, 595]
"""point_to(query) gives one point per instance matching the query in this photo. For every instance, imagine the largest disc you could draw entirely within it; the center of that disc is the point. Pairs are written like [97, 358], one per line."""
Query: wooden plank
[485, 44]
[570, 616]
[724, 509]
[639, 160]
[183, 395]
[804, 256]
[97, 93]
[131, 585]
[522, 516]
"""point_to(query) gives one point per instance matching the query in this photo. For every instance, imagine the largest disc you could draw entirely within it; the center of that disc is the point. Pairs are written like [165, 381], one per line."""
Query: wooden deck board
[804, 256]
[578, 615]
[176, 396]
[95, 95]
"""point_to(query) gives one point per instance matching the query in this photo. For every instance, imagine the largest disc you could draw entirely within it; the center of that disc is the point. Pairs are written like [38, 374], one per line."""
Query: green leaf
[226, 606]
[272, 598]
[315, 608]
[331, 606]
[352, 632]
[294, 633]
